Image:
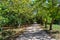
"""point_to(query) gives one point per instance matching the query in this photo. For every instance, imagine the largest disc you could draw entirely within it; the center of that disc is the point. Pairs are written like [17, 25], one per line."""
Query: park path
[34, 32]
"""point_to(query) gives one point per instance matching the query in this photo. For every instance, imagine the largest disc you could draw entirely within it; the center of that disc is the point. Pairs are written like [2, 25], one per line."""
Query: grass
[56, 27]
[55, 31]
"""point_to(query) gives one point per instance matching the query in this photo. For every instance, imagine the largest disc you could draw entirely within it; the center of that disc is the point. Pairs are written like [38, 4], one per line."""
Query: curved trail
[34, 32]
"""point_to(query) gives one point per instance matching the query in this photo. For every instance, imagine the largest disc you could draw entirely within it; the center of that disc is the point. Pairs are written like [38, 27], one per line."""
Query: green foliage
[3, 21]
[15, 12]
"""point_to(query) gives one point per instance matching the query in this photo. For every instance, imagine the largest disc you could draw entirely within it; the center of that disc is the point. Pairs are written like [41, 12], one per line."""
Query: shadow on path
[34, 33]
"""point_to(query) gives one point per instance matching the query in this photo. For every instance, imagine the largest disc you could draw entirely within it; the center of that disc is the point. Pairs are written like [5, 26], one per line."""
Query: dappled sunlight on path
[34, 32]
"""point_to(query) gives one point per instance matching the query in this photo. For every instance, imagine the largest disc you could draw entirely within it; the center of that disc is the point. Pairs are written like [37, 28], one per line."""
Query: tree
[48, 9]
[54, 11]
[17, 11]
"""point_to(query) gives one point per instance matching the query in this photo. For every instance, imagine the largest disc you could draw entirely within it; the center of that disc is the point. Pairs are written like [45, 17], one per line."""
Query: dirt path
[34, 32]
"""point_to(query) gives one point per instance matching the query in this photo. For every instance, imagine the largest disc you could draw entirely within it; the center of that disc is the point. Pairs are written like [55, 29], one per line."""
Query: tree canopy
[15, 12]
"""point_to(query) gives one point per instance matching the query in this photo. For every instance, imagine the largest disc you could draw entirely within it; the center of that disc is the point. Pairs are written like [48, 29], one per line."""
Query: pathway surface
[34, 32]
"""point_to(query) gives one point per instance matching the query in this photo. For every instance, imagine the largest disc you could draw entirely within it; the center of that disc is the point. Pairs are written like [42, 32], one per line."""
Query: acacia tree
[53, 11]
[48, 9]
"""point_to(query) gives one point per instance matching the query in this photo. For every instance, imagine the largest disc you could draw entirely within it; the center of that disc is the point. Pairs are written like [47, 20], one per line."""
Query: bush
[6, 33]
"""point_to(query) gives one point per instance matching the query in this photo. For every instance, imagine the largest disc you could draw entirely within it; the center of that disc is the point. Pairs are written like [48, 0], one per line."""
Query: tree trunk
[51, 24]
[46, 24]
[41, 20]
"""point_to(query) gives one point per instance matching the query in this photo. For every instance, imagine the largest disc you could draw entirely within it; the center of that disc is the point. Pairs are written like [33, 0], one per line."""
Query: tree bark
[46, 24]
[51, 24]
